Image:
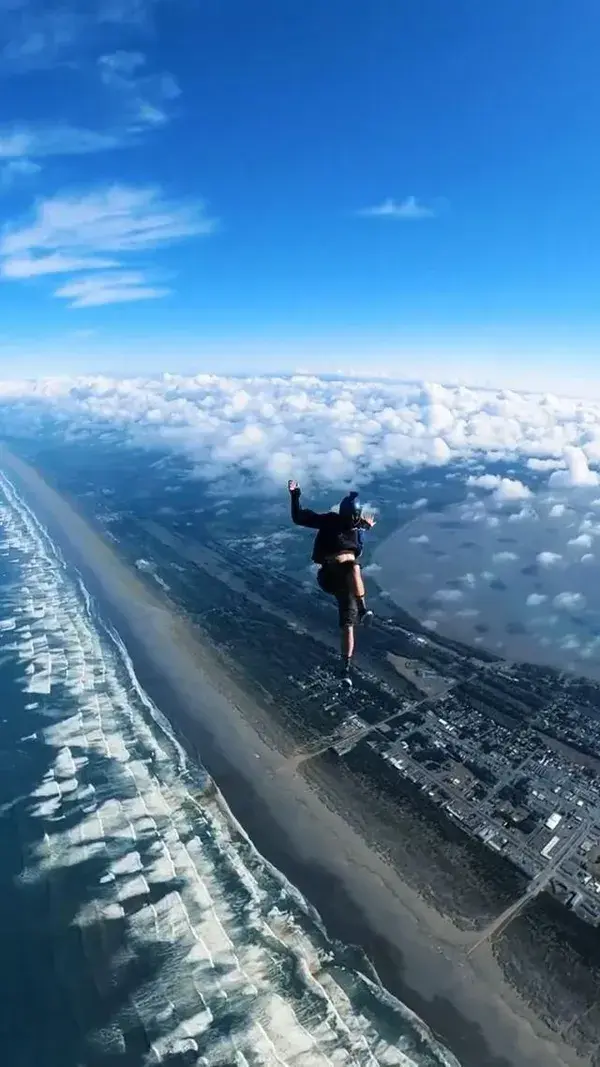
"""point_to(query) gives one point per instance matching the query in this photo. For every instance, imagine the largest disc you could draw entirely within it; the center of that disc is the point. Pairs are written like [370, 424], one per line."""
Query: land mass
[370, 847]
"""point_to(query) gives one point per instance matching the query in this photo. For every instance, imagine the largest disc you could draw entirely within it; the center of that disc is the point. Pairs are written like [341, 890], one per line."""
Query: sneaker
[367, 618]
[346, 678]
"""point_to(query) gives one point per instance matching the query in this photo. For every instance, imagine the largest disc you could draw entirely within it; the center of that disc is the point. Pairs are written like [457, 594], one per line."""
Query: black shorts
[337, 579]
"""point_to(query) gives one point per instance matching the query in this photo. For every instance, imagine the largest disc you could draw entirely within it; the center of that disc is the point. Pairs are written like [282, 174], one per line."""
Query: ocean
[139, 924]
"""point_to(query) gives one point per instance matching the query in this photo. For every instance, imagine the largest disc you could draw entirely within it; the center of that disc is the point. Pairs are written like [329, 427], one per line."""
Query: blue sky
[406, 187]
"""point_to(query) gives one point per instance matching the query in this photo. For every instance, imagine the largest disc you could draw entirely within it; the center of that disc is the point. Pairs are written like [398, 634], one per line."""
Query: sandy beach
[308, 822]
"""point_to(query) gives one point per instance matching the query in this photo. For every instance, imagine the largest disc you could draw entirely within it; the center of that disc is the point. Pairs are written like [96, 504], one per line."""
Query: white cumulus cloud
[408, 210]
[548, 559]
[510, 489]
[505, 490]
[535, 599]
[371, 568]
[526, 514]
[569, 601]
[447, 595]
[440, 451]
[484, 481]
[570, 643]
[582, 540]
[577, 473]
[547, 464]
[504, 557]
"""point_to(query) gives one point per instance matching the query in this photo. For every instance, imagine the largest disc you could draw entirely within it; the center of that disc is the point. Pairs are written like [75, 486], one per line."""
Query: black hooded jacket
[335, 533]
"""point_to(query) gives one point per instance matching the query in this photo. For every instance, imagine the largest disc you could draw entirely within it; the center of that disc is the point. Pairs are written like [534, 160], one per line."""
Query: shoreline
[289, 820]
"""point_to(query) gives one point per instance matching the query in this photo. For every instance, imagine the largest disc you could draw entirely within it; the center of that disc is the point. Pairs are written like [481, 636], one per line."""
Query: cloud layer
[306, 427]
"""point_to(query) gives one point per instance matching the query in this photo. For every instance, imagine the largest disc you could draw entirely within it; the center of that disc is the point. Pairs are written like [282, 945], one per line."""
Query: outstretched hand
[293, 486]
[368, 521]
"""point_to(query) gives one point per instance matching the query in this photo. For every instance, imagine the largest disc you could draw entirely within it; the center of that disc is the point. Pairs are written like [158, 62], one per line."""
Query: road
[535, 887]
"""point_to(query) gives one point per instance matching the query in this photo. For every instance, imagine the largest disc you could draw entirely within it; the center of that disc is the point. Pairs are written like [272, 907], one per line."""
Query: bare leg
[347, 634]
[359, 585]
[359, 592]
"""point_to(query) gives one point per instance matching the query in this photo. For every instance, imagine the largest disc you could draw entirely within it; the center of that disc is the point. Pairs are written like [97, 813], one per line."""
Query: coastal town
[514, 784]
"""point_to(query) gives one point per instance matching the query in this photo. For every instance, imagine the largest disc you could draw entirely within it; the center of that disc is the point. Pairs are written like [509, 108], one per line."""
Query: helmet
[350, 508]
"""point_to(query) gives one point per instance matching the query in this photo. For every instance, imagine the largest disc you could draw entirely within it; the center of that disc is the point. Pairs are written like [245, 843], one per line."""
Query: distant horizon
[519, 380]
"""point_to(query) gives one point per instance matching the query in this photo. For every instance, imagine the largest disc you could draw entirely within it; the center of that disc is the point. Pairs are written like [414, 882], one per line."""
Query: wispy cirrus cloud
[130, 98]
[76, 234]
[38, 35]
[16, 171]
[42, 34]
[20, 268]
[139, 101]
[407, 210]
[145, 97]
[140, 105]
[40, 140]
[119, 218]
[123, 287]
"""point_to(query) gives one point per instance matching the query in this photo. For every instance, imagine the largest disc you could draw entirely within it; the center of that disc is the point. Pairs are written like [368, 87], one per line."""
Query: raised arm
[366, 522]
[302, 516]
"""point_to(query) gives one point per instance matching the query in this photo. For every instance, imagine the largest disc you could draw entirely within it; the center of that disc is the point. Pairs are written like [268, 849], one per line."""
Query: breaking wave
[151, 929]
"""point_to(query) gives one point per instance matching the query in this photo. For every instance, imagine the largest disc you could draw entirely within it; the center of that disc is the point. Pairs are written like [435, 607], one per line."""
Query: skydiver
[336, 549]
